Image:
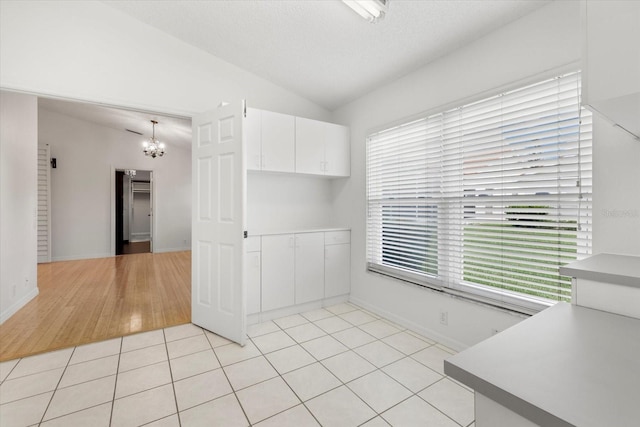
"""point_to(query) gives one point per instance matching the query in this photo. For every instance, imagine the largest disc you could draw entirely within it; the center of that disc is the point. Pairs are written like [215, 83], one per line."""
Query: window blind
[487, 199]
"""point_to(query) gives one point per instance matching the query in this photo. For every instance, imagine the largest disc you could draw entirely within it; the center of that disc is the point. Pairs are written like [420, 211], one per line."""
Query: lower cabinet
[278, 263]
[283, 270]
[309, 267]
[252, 273]
[337, 266]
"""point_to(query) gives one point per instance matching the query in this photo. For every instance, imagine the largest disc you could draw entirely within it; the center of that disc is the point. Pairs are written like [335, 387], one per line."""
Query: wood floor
[91, 300]
[136, 248]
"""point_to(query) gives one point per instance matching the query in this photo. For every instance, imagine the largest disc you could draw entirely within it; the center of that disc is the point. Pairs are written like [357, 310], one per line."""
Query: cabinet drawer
[252, 244]
[337, 237]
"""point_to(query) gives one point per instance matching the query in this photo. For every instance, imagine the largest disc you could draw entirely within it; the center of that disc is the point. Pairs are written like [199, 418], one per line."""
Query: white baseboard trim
[426, 332]
[265, 316]
[78, 257]
[140, 239]
[13, 309]
[158, 251]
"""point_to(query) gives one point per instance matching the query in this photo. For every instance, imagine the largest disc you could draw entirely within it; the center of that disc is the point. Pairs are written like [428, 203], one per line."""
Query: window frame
[514, 301]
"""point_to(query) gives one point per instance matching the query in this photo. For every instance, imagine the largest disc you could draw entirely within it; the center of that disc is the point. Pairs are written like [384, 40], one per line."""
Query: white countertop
[565, 366]
[306, 230]
[608, 268]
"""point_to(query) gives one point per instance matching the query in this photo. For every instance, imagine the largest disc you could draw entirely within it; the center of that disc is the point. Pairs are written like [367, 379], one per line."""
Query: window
[486, 200]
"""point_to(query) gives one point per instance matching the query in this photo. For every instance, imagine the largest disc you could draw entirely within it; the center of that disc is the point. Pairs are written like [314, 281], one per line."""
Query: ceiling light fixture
[153, 147]
[371, 10]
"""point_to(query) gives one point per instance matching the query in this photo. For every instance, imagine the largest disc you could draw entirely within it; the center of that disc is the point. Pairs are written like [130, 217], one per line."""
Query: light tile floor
[337, 366]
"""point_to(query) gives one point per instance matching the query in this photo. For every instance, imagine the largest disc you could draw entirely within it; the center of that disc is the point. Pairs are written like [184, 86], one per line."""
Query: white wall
[536, 46]
[18, 201]
[616, 190]
[81, 187]
[89, 51]
[285, 203]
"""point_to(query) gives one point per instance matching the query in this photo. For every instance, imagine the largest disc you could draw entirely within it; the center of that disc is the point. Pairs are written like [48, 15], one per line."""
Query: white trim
[179, 249]
[79, 257]
[415, 327]
[13, 309]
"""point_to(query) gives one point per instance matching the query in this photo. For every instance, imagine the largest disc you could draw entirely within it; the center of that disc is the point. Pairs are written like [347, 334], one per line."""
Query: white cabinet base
[491, 414]
[265, 316]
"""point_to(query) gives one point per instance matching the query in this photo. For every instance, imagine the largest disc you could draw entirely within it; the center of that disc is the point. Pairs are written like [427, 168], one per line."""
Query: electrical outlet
[444, 318]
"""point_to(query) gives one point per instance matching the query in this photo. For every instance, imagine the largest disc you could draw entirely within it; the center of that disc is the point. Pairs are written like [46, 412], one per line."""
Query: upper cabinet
[283, 143]
[270, 141]
[612, 61]
[322, 148]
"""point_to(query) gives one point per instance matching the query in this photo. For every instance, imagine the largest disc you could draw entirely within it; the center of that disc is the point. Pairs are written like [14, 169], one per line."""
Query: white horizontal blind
[490, 198]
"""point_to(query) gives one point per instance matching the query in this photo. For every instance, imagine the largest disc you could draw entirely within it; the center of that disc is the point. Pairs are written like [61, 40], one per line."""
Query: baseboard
[13, 309]
[426, 332]
[78, 257]
[265, 316]
[158, 251]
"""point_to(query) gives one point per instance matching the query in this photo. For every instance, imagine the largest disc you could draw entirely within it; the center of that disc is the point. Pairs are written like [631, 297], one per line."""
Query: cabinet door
[309, 270]
[337, 150]
[337, 262]
[252, 281]
[278, 142]
[252, 130]
[277, 271]
[310, 140]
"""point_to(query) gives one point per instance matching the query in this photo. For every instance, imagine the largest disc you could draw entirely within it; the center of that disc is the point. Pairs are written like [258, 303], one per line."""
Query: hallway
[91, 300]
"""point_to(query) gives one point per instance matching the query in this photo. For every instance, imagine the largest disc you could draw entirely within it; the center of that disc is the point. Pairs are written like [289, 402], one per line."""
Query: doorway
[134, 211]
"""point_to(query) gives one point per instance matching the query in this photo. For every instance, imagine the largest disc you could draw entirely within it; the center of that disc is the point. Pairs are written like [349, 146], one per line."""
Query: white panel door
[337, 270]
[337, 150]
[218, 296]
[278, 144]
[310, 140]
[277, 271]
[309, 267]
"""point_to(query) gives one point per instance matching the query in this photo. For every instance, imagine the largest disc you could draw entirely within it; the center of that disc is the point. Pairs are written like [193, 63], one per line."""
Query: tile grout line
[57, 384]
[115, 384]
[173, 385]
[226, 376]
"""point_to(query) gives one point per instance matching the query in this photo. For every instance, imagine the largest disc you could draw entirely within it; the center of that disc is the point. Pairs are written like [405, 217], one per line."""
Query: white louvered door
[44, 204]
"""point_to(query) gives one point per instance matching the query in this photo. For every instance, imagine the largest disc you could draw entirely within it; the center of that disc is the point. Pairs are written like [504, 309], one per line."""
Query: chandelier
[153, 147]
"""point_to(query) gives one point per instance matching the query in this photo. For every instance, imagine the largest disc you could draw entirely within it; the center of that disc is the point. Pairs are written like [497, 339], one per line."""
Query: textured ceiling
[321, 49]
[175, 132]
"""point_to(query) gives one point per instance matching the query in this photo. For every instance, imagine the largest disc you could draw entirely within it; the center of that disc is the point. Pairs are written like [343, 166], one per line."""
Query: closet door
[218, 294]
[44, 204]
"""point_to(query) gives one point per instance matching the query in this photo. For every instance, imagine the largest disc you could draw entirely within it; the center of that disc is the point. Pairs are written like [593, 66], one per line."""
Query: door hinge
[246, 234]
[244, 108]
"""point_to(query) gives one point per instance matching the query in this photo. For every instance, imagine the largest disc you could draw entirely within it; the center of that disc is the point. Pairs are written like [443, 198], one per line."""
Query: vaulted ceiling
[319, 49]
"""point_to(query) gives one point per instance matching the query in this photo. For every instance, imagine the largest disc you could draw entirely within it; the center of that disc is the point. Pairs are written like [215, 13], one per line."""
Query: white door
[309, 267]
[218, 210]
[337, 154]
[44, 204]
[310, 141]
[278, 142]
[278, 259]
